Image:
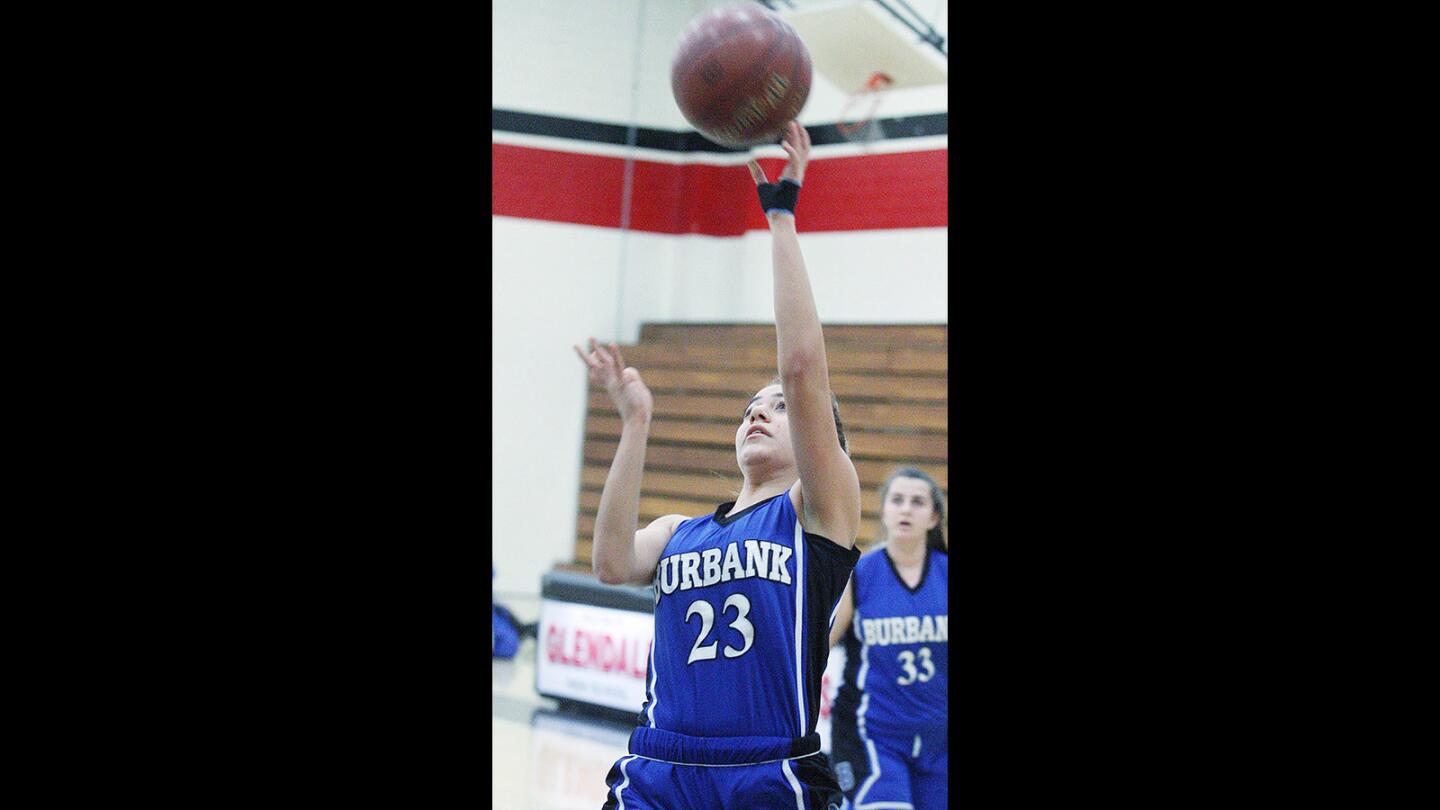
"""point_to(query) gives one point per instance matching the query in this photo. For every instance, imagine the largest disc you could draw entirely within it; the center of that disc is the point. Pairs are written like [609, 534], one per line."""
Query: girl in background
[888, 738]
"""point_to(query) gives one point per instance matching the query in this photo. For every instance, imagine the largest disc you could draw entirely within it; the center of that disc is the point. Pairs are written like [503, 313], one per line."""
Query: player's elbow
[799, 365]
[609, 573]
[611, 578]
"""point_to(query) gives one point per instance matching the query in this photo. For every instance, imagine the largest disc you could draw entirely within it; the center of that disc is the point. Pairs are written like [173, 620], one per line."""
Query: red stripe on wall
[872, 192]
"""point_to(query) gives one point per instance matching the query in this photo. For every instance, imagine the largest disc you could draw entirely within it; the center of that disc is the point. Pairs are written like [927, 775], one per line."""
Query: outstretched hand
[778, 199]
[796, 144]
[607, 368]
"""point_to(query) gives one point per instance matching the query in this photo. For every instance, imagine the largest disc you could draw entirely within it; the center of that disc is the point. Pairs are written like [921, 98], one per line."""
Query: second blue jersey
[742, 615]
[897, 651]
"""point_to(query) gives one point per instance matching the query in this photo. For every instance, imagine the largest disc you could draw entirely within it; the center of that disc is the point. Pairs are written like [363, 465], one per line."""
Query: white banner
[593, 654]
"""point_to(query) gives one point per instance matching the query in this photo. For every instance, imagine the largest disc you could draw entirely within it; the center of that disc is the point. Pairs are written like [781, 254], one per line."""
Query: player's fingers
[606, 361]
[757, 173]
[598, 352]
[804, 135]
[619, 361]
[582, 356]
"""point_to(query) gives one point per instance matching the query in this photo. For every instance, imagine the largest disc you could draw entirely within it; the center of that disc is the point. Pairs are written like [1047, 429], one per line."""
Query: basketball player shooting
[744, 596]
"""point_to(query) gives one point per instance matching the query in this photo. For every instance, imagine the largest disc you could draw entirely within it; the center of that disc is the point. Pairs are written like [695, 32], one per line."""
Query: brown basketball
[740, 75]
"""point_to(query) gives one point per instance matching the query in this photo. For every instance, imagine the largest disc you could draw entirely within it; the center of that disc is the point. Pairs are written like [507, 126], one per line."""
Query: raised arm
[829, 486]
[620, 554]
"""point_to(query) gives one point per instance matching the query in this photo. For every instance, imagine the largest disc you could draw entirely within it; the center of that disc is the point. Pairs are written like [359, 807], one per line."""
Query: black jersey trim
[829, 566]
[924, 570]
[835, 551]
[725, 507]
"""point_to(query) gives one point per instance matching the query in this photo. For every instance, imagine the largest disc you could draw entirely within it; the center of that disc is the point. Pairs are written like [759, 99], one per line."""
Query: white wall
[555, 284]
[891, 276]
[609, 60]
[588, 58]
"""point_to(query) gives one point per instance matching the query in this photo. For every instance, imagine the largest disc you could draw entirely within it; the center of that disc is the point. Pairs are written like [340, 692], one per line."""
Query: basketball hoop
[857, 119]
[864, 47]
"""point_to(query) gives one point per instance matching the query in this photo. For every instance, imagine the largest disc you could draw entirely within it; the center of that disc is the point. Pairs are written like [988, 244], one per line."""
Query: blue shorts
[881, 773]
[668, 771]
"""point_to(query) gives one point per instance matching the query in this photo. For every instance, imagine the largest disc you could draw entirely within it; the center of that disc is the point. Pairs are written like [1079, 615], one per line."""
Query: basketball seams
[784, 56]
[731, 97]
[768, 66]
[728, 96]
[698, 61]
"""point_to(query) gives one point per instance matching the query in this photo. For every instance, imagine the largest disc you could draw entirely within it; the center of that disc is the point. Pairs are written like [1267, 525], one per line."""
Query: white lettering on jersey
[699, 569]
[710, 560]
[927, 628]
[778, 571]
[690, 567]
[756, 553]
[732, 568]
[667, 576]
[888, 630]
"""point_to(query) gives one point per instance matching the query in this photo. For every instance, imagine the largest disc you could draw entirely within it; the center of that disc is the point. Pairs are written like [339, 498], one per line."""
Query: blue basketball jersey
[897, 650]
[742, 618]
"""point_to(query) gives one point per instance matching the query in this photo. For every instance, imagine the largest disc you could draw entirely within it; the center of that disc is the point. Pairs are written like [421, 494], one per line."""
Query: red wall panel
[870, 192]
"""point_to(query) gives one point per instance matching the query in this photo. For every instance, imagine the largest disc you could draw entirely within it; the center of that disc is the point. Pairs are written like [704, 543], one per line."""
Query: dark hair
[934, 538]
[835, 411]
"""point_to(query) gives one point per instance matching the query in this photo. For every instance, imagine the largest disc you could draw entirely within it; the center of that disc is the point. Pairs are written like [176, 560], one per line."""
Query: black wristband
[781, 196]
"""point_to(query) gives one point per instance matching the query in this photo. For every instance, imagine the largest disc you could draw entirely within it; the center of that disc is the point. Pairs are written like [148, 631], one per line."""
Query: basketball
[740, 74]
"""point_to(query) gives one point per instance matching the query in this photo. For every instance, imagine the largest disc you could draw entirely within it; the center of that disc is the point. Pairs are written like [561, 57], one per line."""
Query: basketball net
[857, 119]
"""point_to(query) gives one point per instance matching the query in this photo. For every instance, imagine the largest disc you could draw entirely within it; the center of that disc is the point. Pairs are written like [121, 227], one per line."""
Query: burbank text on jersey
[904, 630]
[692, 569]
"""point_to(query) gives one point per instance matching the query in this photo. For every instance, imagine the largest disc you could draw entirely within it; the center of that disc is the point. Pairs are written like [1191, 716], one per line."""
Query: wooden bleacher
[891, 381]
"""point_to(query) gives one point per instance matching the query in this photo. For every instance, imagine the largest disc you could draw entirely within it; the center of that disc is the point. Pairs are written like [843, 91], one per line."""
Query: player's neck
[753, 492]
[906, 553]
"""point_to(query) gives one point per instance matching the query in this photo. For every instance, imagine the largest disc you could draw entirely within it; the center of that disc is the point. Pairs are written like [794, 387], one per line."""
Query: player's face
[908, 512]
[764, 432]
